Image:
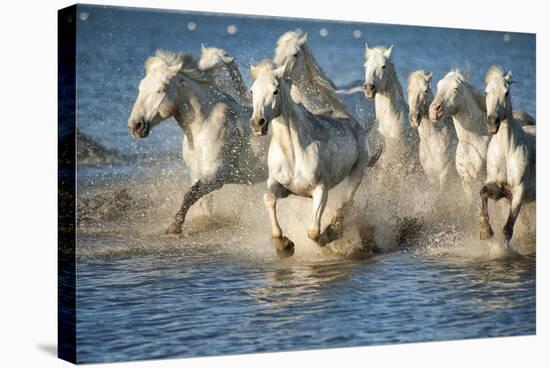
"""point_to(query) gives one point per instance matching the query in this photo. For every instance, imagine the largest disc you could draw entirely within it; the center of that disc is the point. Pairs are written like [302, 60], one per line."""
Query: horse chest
[294, 172]
[470, 160]
[203, 151]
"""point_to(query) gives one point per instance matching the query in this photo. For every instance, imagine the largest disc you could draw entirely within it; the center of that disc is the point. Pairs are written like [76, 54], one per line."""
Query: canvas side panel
[66, 184]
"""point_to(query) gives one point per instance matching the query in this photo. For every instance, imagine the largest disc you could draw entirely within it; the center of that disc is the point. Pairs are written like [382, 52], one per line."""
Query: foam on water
[130, 215]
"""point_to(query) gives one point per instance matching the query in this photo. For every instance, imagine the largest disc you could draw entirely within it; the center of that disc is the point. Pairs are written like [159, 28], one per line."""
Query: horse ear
[303, 39]
[429, 77]
[366, 49]
[387, 53]
[228, 59]
[203, 48]
[508, 76]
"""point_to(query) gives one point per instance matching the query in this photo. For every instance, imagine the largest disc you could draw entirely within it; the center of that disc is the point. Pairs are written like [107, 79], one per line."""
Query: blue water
[220, 289]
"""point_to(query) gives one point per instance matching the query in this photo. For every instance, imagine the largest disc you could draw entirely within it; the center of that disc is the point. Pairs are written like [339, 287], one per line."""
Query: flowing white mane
[418, 74]
[225, 71]
[263, 66]
[462, 82]
[188, 65]
[291, 41]
[495, 71]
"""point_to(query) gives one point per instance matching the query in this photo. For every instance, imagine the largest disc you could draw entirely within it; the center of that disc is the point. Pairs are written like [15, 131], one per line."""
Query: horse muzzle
[370, 90]
[140, 129]
[436, 113]
[493, 123]
[259, 126]
[414, 120]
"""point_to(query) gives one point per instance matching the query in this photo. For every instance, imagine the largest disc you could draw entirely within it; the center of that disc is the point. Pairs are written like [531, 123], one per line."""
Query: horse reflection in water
[299, 284]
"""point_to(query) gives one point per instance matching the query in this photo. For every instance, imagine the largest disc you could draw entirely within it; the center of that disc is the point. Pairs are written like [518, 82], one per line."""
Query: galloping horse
[437, 141]
[511, 157]
[218, 147]
[308, 155]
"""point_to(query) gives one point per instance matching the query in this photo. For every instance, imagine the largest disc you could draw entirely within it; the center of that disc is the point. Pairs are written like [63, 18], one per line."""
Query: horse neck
[194, 105]
[469, 120]
[389, 104]
[289, 127]
[427, 128]
[316, 96]
[238, 81]
[509, 128]
[235, 85]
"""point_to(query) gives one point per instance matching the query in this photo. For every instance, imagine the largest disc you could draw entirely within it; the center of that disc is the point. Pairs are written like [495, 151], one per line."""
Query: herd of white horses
[313, 143]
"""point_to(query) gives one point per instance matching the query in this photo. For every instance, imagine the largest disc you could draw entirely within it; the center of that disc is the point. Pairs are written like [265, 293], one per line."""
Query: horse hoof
[284, 247]
[173, 230]
[313, 234]
[330, 234]
[486, 233]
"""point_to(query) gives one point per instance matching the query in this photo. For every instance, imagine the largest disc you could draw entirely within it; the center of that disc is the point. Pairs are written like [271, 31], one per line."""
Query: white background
[28, 180]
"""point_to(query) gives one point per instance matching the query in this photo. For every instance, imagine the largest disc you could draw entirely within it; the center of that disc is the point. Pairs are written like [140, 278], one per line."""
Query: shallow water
[220, 288]
[205, 301]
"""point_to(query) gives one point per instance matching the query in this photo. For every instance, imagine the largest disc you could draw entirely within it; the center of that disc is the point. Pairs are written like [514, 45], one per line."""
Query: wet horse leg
[283, 245]
[319, 197]
[196, 192]
[515, 206]
[335, 230]
[495, 192]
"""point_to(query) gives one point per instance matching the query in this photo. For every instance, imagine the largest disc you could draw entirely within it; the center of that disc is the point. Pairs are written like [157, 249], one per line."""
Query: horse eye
[295, 55]
[383, 66]
[275, 92]
[506, 94]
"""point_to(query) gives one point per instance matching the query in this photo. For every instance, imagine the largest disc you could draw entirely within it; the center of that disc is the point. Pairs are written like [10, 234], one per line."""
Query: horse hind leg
[283, 245]
[196, 192]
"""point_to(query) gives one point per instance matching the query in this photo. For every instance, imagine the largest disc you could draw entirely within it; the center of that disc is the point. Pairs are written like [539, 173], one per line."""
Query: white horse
[225, 72]
[511, 157]
[218, 147]
[382, 85]
[308, 155]
[437, 141]
[310, 85]
[457, 98]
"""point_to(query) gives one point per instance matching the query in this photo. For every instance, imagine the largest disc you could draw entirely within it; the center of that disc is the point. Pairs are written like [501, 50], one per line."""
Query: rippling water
[220, 288]
[203, 302]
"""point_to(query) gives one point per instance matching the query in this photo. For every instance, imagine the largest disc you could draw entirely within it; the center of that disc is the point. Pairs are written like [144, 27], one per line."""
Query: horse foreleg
[495, 192]
[283, 245]
[319, 197]
[515, 206]
[196, 192]
[335, 230]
